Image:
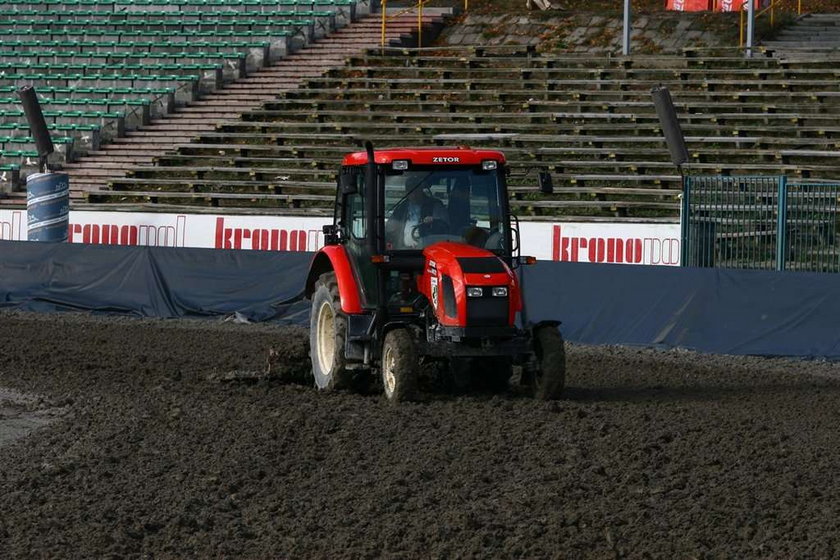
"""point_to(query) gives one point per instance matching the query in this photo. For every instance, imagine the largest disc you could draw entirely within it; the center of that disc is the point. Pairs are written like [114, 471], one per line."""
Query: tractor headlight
[475, 291]
[400, 164]
[489, 165]
[500, 291]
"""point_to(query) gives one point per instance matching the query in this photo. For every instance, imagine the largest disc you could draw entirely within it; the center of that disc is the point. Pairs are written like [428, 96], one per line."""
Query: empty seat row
[599, 137]
[105, 67]
[98, 29]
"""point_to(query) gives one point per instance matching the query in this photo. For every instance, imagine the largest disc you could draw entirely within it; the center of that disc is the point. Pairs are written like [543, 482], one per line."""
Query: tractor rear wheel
[400, 366]
[550, 377]
[327, 335]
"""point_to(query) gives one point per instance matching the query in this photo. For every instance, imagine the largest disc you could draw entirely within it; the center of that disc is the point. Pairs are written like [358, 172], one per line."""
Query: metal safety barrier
[766, 223]
[786, 7]
[418, 8]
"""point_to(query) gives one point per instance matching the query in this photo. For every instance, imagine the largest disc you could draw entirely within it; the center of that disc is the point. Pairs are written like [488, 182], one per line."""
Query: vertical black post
[684, 219]
[37, 125]
[781, 225]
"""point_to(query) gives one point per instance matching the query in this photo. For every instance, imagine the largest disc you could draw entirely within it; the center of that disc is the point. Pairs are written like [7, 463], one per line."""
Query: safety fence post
[684, 218]
[781, 225]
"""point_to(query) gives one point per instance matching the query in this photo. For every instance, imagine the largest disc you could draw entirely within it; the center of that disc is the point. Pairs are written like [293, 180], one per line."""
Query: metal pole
[750, 27]
[420, 24]
[626, 45]
[685, 207]
[384, 20]
[781, 225]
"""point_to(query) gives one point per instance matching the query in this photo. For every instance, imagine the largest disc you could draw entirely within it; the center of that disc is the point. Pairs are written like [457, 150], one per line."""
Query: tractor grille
[487, 312]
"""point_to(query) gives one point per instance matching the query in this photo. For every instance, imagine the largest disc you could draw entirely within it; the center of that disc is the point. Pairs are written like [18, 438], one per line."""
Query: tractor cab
[420, 197]
[419, 261]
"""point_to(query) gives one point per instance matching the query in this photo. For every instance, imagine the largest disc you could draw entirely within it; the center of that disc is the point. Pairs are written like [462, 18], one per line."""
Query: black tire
[327, 335]
[399, 366]
[550, 377]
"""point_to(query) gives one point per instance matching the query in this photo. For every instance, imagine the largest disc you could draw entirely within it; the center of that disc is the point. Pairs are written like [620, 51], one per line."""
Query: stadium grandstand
[247, 105]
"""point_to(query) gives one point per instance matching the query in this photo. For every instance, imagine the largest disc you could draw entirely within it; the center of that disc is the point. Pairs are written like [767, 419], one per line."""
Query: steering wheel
[432, 227]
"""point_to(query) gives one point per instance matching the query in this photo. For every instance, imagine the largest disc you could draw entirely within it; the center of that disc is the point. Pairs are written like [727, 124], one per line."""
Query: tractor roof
[428, 156]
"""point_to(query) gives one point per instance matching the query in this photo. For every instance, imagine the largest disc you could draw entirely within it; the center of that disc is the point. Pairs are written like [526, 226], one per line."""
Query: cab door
[354, 226]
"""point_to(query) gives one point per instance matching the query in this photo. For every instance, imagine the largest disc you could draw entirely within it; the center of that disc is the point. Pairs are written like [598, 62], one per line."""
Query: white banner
[613, 243]
[651, 244]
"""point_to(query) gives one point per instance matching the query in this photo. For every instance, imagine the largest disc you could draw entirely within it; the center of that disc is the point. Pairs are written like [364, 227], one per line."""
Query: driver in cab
[417, 214]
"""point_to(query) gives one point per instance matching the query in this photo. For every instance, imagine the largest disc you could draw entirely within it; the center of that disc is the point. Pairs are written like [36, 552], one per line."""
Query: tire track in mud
[167, 451]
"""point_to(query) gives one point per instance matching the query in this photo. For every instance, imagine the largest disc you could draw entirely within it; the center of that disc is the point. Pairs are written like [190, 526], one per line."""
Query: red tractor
[420, 265]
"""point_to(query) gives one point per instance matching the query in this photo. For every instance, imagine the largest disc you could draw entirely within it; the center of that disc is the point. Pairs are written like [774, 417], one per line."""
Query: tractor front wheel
[327, 334]
[550, 377]
[400, 365]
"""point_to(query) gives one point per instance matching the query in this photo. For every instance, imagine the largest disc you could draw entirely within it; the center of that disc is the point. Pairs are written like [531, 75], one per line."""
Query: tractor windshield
[425, 205]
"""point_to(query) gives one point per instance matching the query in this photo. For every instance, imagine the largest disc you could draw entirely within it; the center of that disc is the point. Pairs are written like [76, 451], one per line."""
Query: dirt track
[659, 454]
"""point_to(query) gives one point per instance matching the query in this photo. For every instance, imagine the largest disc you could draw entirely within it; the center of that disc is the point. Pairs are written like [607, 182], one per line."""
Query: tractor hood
[451, 268]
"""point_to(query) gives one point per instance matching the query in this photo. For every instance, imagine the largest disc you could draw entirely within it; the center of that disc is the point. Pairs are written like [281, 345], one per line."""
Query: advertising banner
[714, 5]
[650, 244]
[734, 5]
[689, 5]
[613, 243]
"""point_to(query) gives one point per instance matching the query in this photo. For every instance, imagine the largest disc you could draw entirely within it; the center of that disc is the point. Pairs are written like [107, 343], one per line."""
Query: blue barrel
[47, 206]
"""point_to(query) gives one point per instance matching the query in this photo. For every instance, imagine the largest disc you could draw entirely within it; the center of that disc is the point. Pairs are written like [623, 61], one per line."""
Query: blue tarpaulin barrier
[709, 310]
[723, 311]
[153, 281]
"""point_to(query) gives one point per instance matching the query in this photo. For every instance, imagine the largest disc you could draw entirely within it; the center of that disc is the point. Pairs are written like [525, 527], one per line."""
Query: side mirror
[330, 234]
[546, 183]
[347, 183]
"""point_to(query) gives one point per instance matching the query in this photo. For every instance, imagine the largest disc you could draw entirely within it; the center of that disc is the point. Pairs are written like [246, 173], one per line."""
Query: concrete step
[822, 17]
[105, 163]
[804, 44]
[809, 33]
[103, 157]
[94, 172]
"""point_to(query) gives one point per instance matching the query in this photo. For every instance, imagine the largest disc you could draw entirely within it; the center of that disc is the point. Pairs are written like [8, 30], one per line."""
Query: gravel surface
[170, 439]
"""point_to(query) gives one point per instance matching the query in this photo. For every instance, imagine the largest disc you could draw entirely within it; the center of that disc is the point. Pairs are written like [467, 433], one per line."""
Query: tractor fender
[333, 258]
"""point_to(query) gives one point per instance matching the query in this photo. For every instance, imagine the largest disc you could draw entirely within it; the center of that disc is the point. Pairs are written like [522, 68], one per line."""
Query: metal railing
[419, 7]
[767, 223]
[769, 11]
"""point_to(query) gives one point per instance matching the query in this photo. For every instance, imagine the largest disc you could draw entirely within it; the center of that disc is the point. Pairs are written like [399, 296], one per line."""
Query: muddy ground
[156, 449]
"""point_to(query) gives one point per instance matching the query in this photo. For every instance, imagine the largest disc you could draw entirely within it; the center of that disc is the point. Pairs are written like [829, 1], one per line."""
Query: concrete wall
[590, 33]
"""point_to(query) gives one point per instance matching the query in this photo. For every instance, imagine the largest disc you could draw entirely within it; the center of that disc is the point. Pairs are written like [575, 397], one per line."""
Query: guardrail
[419, 7]
[769, 11]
